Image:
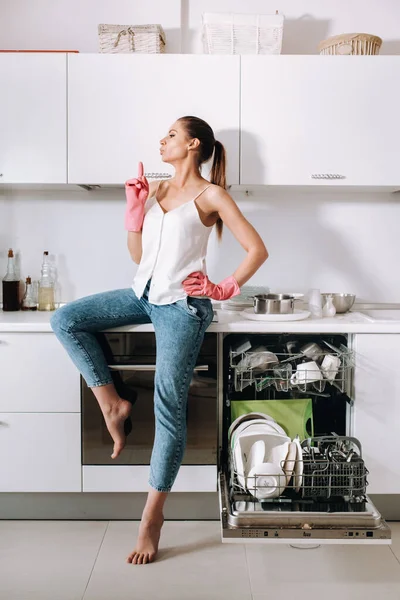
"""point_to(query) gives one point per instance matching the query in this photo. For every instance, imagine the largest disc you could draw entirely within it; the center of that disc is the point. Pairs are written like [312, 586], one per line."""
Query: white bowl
[266, 480]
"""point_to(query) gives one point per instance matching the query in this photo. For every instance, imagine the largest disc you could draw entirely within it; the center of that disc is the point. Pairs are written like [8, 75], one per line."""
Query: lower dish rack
[331, 467]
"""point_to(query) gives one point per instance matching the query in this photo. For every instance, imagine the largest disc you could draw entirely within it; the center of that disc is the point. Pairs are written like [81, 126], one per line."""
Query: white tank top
[174, 244]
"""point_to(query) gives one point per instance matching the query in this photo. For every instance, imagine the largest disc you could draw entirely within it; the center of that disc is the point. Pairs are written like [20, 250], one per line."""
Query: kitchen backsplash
[341, 242]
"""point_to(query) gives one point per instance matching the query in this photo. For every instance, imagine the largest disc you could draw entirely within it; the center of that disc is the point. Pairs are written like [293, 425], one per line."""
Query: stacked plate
[263, 456]
[245, 298]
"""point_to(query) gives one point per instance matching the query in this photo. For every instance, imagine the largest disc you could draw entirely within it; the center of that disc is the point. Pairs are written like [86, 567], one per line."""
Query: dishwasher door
[245, 520]
[299, 516]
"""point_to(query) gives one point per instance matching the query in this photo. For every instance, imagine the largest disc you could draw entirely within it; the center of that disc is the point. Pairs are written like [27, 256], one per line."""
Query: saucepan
[274, 304]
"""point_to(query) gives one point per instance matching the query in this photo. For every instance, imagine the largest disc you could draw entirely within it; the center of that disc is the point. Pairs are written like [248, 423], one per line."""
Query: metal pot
[276, 304]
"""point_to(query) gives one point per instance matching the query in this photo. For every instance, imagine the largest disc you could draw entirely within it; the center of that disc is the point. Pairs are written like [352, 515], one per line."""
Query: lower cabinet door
[244, 520]
[40, 452]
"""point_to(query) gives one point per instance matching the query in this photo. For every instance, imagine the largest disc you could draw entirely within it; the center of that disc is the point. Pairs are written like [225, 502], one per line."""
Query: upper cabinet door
[33, 118]
[320, 115]
[120, 106]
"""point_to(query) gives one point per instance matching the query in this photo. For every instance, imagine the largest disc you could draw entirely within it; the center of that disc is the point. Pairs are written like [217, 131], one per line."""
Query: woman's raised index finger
[140, 170]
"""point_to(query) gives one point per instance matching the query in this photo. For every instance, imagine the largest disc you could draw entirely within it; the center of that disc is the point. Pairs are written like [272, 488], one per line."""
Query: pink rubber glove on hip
[136, 191]
[198, 284]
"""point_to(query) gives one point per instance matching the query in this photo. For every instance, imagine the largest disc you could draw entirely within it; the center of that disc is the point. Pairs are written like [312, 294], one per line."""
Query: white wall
[334, 241]
[72, 24]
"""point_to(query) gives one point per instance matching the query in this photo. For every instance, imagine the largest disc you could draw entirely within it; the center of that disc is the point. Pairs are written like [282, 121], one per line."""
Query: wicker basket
[123, 39]
[242, 34]
[351, 43]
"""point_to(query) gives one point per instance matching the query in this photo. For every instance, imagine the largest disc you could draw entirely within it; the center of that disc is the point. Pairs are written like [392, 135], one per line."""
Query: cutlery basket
[333, 466]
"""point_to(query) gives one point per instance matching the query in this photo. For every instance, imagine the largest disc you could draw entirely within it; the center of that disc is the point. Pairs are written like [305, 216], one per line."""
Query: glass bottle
[29, 300]
[329, 310]
[46, 286]
[11, 285]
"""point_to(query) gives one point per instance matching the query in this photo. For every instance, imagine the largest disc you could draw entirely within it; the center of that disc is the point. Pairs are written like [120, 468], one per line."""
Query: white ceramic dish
[266, 480]
[259, 430]
[247, 417]
[265, 425]
[276, 449]
[298, 467]
[297, 315]
[290, 461]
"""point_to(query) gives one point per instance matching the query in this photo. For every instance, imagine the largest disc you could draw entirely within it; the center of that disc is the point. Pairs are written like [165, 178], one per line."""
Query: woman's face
[176, 145]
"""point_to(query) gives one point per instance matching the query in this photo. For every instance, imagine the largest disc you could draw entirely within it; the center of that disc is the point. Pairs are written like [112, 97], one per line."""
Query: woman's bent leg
[76, 325]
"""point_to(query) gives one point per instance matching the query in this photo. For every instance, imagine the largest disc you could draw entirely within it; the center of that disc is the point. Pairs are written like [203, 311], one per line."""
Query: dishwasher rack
[331, 467]
[259, 368]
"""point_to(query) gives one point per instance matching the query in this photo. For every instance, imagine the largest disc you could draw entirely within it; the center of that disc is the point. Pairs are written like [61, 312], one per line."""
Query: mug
[306, 373]
[312, 351]
[330, 366]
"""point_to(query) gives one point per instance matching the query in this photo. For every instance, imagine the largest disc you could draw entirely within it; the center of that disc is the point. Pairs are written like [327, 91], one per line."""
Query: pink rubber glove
[136, 191]
[198, 284]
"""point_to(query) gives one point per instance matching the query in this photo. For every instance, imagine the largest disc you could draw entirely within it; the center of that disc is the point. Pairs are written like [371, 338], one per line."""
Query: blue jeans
[179, 329]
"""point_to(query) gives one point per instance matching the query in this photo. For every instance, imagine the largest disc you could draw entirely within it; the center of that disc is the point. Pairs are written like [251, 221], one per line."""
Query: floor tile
[395, 527]
[193, 564]
[332, 572]
[47, 560]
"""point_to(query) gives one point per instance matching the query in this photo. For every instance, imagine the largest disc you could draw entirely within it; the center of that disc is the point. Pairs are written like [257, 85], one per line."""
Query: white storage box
[229, 33]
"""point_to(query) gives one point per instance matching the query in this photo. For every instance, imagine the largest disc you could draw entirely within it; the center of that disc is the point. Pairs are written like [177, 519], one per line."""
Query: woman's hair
[197, 128]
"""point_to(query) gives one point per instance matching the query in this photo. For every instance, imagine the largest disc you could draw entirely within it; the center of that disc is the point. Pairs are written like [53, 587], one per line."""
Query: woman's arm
[135, 238]
[243, 231]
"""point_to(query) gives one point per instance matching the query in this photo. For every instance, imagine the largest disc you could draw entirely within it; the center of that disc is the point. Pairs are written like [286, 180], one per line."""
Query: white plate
[290, 461]
[262, 426]
[298, 315]
[248, 417]
[298, 466]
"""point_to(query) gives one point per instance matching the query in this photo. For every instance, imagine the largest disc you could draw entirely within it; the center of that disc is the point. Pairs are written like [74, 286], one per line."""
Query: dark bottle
[11, 285]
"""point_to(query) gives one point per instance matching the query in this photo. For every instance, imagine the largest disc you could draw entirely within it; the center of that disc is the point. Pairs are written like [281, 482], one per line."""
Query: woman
[168, 224]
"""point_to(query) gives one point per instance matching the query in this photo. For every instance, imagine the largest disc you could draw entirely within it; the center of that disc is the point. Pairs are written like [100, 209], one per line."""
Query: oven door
[131, 358]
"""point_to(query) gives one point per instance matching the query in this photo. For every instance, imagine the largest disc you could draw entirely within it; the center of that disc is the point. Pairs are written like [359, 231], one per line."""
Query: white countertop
[382, 321]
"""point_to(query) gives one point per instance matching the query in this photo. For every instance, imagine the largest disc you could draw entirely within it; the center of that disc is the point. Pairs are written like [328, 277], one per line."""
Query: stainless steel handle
[327, 176]
[147, 367]
[157, 175]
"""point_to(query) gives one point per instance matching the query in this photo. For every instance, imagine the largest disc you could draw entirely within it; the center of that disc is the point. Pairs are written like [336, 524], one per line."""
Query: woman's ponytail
[197, 128]
[218, 175]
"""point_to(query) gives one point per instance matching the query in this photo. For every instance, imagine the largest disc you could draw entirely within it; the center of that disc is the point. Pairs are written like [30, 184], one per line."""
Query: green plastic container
[295, 416]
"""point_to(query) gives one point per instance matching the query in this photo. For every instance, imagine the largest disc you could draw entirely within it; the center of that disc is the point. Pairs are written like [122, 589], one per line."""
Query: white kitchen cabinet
[377, 408]
[40, 452]
[319, 115]
[120, 106]
[37, 375]
[33, 118]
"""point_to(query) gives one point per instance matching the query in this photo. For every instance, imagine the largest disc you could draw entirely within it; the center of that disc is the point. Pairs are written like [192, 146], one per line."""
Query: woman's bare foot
[147, 544]
[115, 415]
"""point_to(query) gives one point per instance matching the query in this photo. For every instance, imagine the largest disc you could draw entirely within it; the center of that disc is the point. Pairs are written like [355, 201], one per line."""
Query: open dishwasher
[319, 494]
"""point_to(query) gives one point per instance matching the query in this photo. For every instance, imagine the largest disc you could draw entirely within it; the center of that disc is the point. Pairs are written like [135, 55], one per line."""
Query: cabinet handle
[147, 367]
[327, 176]
[156, 175]
[1, 174]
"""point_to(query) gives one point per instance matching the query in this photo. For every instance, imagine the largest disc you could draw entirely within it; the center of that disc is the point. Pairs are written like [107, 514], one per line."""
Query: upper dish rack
[282, 370]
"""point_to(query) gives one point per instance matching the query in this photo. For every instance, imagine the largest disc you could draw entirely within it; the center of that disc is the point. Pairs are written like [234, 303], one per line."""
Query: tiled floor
[74, 560]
